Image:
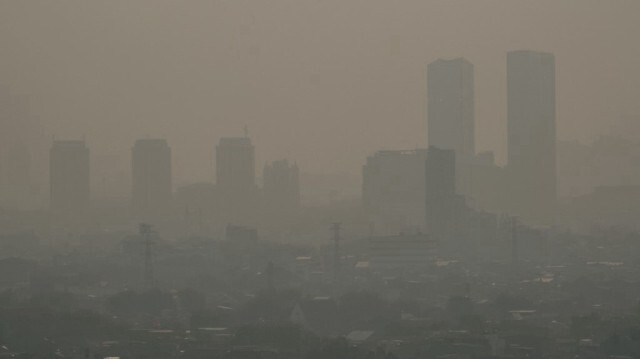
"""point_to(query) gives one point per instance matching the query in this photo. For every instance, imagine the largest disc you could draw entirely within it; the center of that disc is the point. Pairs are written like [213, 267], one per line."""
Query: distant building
[393, 189]
[69, 176]
[531, 129]
[450, 114]
[152, 182]
[281, 188]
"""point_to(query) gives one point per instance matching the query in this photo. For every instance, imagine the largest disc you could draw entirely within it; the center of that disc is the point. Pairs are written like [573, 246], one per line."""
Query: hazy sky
[322, 82]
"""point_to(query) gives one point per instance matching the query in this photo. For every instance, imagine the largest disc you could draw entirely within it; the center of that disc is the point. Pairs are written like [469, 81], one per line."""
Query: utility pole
[146, 232]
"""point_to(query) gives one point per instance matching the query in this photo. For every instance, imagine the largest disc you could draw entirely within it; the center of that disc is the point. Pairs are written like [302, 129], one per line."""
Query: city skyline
[314, 179]
[198, 92]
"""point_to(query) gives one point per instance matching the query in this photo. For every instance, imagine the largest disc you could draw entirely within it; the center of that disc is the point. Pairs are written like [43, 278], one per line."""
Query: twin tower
[531, 129]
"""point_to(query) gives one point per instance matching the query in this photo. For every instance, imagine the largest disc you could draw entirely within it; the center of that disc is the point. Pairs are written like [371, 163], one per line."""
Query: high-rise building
[69, 177]
[281, 188]
[151, 168]
[450, 114]
[531, 129]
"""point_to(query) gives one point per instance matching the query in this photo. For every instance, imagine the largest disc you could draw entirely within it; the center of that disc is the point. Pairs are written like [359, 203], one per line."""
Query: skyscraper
[69, 177]
[450, 114]
[531, 130]
[151, 168]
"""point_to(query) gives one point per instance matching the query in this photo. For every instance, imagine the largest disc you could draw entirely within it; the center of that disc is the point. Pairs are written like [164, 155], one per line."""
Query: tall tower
[450, 114]
[151, 169]
[531, 130]
[69, 177]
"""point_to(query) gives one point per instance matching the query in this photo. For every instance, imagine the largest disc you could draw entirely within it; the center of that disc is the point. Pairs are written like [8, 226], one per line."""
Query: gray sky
[323, 82]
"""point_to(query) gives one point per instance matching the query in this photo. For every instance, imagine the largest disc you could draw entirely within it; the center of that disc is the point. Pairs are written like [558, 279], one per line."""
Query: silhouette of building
[393, 189]
[235, 180]
[151, 169]
[281, 188]
[69, 177]
[450, 114]
[441, 201]
[531, 129]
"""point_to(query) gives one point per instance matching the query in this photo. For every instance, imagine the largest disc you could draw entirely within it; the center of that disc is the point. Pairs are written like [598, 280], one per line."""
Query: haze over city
[319, 179]
[322, 82]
